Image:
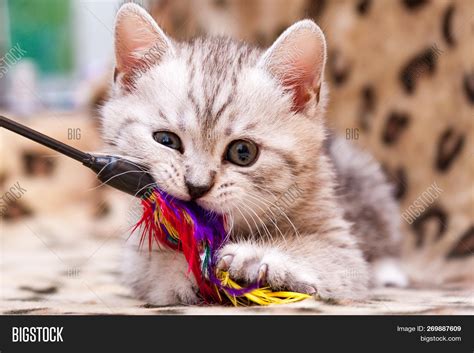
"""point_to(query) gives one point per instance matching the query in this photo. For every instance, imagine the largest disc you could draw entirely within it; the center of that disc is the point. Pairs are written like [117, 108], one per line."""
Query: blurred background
[401, 77]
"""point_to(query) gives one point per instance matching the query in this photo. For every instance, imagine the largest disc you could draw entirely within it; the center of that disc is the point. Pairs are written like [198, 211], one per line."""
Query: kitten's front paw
[331, 276]
[268, 266]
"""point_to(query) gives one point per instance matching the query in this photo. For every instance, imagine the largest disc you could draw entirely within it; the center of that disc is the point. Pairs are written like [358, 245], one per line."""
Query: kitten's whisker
[145, 187]
[297, 233]
[267, 191]
[257, 228]
[269, 209]
[137, 162]
[231, 227]
[282, 211]
[270, 236]
[102, 169]
[260, 219]
[113, 177]
[245, 219]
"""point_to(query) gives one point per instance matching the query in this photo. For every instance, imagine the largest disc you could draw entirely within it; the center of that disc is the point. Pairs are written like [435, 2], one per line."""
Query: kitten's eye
[242, 152]
[168, 139]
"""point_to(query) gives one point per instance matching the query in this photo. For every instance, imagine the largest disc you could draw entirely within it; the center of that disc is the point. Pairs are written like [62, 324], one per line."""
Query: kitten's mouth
[201, 202]
[175, 193]
[208, 205]
[204, 202]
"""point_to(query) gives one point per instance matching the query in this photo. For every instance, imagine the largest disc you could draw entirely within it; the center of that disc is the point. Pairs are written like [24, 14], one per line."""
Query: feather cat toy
[170, 222]
[198, 233]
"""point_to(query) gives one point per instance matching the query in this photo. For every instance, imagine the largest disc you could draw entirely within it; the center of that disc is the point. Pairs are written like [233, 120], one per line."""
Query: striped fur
[212, 91]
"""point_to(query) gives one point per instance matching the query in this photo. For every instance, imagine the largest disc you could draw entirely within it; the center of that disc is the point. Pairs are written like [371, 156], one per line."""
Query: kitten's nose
[196, 191]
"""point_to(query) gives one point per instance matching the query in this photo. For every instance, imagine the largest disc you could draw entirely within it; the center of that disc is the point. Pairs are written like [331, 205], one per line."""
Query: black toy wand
[117, 172]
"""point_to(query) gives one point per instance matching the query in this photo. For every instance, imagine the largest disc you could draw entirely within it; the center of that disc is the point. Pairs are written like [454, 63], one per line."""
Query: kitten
[241, 131]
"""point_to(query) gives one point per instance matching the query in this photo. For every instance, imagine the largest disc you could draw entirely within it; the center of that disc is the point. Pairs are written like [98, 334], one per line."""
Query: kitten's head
[217, 121]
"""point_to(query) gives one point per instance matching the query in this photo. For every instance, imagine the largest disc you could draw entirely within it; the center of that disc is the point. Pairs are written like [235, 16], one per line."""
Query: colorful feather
[199, 234]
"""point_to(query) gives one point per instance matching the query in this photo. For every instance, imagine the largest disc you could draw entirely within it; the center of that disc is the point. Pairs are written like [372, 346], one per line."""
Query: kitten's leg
[160, 277]
[328, 266]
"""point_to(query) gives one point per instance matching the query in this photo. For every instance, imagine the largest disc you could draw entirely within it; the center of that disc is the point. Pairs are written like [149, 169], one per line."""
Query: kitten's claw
[262, 273]
[306, 289]
[225, 262]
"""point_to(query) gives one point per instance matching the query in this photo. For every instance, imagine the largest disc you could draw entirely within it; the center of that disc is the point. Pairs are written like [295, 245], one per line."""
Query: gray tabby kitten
[241, 131]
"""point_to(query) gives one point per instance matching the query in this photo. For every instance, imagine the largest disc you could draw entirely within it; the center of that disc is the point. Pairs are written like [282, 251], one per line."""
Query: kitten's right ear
[139, 43]
[297, 60]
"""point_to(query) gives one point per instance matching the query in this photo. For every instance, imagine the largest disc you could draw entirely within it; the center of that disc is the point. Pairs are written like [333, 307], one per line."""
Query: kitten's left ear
[297, 60]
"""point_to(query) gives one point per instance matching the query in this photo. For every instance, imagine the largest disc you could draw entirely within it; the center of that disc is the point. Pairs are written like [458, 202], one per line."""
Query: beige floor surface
[53, 268]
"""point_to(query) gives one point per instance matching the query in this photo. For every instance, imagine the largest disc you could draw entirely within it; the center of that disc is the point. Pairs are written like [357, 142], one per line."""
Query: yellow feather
[260, 296]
